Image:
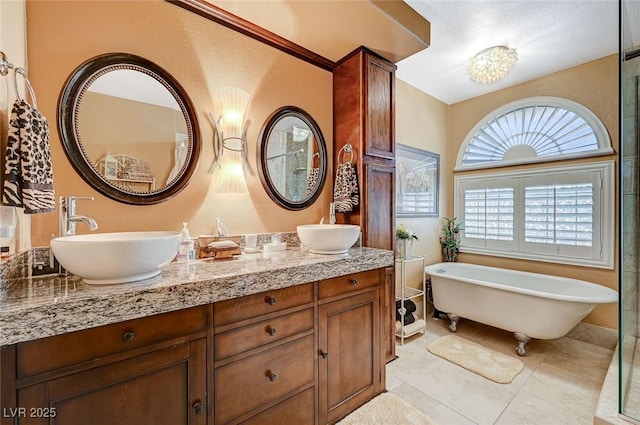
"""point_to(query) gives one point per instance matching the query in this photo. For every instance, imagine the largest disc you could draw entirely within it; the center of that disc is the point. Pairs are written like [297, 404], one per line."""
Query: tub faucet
[69, 218]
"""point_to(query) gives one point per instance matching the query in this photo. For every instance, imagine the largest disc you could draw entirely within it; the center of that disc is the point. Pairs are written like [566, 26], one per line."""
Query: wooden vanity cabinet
[265, 363]
[364, 117]
[308, 354]
[161, 380]
[305, 355]
[351, 356]
[364, 104]
[167, 386]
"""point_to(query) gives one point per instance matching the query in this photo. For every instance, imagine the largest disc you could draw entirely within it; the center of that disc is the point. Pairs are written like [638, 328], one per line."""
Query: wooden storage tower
[364, 117]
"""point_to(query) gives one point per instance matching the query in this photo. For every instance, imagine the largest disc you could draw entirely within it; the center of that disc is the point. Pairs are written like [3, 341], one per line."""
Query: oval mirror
[128, 128]
[292, 158]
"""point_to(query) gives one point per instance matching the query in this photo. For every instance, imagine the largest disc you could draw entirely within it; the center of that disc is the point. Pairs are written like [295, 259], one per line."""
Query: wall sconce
[231, 130]
[492, 64]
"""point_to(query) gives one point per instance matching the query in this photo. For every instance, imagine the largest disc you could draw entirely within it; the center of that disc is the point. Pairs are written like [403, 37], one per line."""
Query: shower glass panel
[629, 347]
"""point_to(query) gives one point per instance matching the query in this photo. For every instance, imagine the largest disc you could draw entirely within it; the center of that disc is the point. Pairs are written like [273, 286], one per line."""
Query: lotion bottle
[187, 250]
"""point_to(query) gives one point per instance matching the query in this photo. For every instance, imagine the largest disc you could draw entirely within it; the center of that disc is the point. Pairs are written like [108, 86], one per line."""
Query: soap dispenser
[187, 250]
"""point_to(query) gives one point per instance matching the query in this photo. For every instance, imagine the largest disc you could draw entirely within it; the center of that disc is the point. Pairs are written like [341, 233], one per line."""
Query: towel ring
[22, 72]
[346, 149]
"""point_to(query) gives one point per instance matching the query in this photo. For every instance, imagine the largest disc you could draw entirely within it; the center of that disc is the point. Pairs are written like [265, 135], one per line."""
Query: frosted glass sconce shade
[232, 105]
[231, 128]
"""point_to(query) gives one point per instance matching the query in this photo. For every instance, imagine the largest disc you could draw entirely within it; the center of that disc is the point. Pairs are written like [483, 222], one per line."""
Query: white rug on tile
[488, 363]
[386, 409]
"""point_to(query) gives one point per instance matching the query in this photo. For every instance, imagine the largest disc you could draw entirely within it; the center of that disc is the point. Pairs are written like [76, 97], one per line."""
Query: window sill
[585, 262]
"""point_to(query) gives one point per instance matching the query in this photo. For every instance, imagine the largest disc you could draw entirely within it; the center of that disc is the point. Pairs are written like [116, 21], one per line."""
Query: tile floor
[559, 384]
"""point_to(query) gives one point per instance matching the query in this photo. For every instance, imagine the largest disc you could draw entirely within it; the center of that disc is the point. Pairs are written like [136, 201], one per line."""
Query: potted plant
[450, 239]
[404, 241]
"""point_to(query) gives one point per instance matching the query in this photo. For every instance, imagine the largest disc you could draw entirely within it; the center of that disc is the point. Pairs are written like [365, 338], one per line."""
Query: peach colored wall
[145, 131]
[594, 85]
[202, 56]
[421, 122]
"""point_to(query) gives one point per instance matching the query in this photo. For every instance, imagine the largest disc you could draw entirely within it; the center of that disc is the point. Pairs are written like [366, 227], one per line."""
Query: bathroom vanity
[288, 338]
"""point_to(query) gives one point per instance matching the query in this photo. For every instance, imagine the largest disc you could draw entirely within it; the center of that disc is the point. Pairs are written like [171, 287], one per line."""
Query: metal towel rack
[346, 149]
[6, 66]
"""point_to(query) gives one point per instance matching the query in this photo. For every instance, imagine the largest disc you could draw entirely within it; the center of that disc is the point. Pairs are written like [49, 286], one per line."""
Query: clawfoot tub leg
[522, 340]
[453, 326]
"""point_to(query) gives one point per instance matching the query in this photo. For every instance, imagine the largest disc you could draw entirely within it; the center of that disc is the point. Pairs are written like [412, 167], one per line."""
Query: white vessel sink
[104, 258]
[328, 238]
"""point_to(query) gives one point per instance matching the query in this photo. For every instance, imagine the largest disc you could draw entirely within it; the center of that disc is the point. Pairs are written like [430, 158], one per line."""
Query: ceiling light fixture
[492, 64]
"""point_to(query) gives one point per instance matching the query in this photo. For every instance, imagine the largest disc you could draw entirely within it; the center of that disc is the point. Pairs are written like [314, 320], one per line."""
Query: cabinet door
[379, 115]
[379, 204]
[162, 387]
[349, 354]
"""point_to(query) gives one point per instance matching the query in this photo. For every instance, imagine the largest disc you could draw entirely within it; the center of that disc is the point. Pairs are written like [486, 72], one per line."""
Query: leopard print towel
[28, 175]
[345, 191]
[312, 180]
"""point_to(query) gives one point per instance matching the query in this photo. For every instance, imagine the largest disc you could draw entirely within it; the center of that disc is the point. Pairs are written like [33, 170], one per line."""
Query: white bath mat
[490, 364]
[386, 409]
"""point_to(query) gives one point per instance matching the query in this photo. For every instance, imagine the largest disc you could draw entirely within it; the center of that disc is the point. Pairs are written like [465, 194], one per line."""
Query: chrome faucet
[332, 213]
[69, 218]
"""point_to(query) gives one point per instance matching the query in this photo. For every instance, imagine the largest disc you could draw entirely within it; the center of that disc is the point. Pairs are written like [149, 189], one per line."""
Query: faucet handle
[70, 201]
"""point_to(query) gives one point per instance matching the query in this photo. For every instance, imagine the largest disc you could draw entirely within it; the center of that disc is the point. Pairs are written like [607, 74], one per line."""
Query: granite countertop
[32, 308]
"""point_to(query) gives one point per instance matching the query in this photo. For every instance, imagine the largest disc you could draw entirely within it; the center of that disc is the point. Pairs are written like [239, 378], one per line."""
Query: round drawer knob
[324, 354]
[272, 376]
[128, 336]
[271, 301]
[198, 407]
[271, 331]
[353, 282]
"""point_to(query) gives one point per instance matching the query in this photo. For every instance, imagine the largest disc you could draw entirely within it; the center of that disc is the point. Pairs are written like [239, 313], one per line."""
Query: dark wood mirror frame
[267, 181]
[68, 107]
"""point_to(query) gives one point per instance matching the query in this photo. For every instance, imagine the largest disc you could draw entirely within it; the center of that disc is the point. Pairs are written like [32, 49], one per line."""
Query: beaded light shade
[492, 64]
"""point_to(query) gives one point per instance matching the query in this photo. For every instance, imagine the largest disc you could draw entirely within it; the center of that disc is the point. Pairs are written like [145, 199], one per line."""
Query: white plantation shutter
[556, 214]
[559, 214]
[562, 214]
[489, 213]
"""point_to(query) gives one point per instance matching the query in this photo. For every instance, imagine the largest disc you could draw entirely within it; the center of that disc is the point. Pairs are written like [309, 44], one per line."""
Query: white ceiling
[136, 86]
[548, 35]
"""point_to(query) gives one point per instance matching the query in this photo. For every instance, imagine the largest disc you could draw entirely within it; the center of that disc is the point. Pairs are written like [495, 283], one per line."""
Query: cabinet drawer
[229, 311]
[54, 352]
[247, 384]
[240, 340]
[298, 410]
[349, 283]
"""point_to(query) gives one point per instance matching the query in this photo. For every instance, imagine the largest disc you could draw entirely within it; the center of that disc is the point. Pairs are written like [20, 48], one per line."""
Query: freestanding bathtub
[530, 305]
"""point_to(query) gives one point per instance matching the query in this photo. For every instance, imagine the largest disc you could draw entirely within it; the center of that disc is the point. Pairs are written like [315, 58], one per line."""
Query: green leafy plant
[450, 239]
[403, 233]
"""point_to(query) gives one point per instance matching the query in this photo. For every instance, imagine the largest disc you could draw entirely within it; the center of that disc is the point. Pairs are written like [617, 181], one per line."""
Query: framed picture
[417, 181]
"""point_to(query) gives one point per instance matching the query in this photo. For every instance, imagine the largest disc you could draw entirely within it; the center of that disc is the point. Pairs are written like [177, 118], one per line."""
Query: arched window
[556, 214]
[531, 130]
